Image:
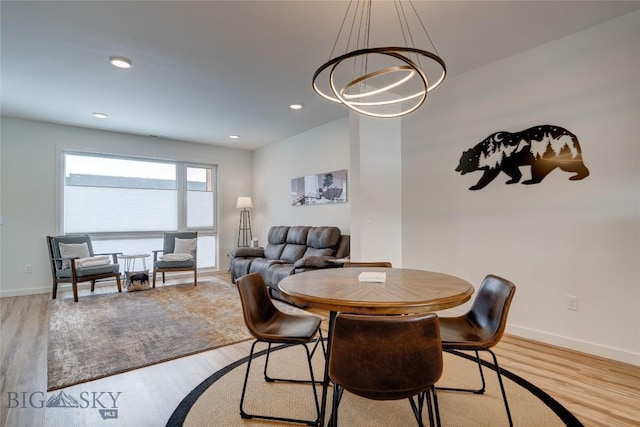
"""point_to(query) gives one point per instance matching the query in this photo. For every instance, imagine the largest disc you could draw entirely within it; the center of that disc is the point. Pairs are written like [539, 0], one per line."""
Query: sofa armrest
[247, 252]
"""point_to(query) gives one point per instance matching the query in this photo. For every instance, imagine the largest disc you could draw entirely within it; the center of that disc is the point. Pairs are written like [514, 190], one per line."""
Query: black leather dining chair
[269, 325]
[481, 328]
[387, 358]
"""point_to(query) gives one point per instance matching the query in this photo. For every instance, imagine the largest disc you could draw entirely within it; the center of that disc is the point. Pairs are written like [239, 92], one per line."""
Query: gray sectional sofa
[290, 250]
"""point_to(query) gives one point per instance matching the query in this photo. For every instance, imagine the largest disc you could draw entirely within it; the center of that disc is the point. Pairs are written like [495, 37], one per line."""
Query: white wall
[28, 192]
[323, 149]
[556, 238]
[376, 205]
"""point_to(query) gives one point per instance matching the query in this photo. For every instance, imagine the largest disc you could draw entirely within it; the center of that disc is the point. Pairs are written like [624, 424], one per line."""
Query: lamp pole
[244, 229]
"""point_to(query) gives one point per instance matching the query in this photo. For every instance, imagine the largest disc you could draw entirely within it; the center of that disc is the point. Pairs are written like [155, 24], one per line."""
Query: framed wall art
[320, 189]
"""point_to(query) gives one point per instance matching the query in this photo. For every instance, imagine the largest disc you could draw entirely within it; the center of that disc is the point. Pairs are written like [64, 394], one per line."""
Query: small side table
[130, 262]
[130, 270]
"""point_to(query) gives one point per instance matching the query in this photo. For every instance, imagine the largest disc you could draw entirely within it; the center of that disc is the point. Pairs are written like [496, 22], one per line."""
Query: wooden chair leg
[93, 285]
[195, 277]
[154, 279]
[163, 277]
[119, 283]
[74, 285]
[55, 289]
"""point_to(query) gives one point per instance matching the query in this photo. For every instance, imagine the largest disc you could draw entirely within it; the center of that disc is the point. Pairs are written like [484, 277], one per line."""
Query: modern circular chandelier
[380, 81]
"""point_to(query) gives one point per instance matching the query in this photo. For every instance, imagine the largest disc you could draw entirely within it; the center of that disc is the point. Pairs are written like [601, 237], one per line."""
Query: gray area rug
[107, 334]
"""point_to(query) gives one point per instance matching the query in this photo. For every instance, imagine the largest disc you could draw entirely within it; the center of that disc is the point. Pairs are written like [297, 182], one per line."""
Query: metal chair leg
[269, 379]
[247, 415]
[417, 408]
[481, 390]
[335, 403]
[504, 395]
[436, 408]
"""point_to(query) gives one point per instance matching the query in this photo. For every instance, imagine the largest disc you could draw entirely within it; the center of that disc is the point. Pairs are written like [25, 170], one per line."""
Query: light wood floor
[599, 392]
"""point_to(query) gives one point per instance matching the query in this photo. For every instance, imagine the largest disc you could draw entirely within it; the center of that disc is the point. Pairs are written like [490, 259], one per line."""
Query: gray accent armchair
[65, 270]
[168, 247]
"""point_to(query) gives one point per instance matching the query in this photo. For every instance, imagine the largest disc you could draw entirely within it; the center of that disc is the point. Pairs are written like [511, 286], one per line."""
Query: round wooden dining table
[403, 291]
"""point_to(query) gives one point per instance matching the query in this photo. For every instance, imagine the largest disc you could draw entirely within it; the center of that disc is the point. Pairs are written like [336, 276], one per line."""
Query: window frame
[181, 179]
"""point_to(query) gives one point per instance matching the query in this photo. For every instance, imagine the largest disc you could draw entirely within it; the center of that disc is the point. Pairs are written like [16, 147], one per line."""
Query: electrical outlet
[28, 268]
[572, 302]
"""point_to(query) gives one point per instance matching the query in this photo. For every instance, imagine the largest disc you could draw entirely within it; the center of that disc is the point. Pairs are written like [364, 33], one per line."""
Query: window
[126, 203]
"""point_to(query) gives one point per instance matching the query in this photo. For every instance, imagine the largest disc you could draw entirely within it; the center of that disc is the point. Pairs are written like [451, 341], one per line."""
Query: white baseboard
[22, 292]
[85, 285]
[48, 289]
[595, 349]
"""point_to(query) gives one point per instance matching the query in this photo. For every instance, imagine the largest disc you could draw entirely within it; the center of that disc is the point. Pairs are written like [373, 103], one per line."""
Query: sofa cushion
[276, 240]
[323, 237]
[292, 253]
[298, 235]
[273, 251]
[278, 235]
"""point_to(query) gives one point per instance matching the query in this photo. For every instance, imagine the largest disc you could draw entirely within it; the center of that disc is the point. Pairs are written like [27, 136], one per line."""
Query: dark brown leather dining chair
[269, 325]
[481, 328]
[387, 358]
[367, 264]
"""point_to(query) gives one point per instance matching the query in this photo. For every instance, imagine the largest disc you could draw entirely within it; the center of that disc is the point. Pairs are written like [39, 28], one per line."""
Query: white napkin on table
[372, 276]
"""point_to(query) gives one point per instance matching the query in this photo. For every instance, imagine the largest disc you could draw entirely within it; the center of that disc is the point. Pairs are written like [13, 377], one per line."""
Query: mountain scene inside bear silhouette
[62, 400]
[544, 148]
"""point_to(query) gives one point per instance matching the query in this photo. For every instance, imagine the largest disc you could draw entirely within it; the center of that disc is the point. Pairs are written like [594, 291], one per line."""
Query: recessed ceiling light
[296, 106]
[100, 115]
[234, 136]
[120, 62]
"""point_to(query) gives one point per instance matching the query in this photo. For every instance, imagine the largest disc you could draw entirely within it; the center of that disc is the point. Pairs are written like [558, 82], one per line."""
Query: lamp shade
[244, 202]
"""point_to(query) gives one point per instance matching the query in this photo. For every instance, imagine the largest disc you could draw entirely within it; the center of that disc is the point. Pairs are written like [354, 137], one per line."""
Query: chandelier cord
[340, 31]
[435, 49]
[365, 63]
[399, 7]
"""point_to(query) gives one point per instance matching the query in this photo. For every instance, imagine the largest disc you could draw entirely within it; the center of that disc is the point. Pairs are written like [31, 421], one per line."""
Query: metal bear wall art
[543, 147]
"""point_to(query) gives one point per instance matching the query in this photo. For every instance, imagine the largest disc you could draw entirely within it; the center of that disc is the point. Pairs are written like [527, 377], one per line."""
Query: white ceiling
[203, 70]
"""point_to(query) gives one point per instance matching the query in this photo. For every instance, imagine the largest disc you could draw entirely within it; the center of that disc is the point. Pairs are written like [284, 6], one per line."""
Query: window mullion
[182, 195]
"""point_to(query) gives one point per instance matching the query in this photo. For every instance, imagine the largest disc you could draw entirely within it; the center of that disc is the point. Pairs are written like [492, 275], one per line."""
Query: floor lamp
[244, 230]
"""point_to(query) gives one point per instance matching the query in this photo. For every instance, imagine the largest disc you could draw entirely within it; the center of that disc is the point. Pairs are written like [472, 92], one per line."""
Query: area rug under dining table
[215, 402]
[107, 334]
